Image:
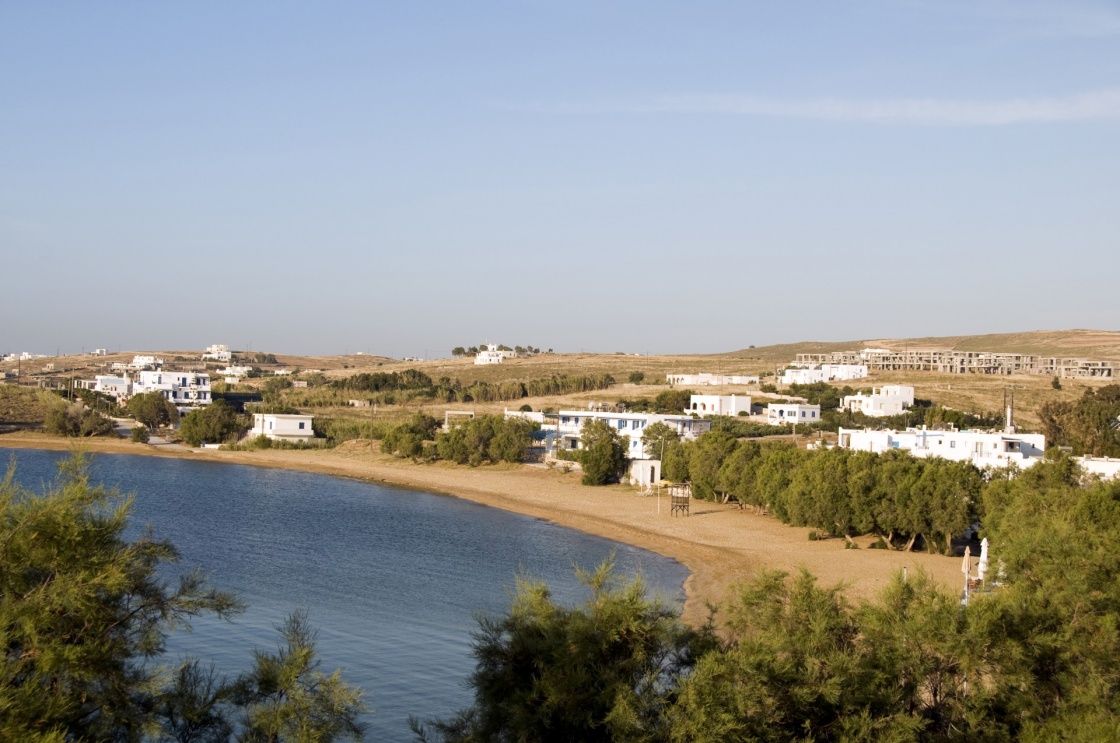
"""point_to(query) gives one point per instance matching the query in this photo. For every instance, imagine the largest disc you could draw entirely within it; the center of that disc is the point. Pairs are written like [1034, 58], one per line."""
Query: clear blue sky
[401, 178]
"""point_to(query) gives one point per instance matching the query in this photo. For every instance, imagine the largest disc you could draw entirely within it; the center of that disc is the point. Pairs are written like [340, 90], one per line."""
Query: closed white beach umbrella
[982, 568]
[966, 566]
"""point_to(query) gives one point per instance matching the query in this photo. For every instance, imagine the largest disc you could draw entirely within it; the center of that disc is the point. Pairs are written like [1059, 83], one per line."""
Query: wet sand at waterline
[720, 545]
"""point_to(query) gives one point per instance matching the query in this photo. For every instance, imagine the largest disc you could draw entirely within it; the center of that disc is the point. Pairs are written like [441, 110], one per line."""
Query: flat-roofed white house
[144, 361]
[218, 352]
[282, 427]
[982, 448]
[706, 379]
[119, 388]
[181, 389]
[784, 413]
[233, 374]
[703, 405]
[491, 355]
[890, 399]
[824, 373]
[1106, 468]
[563, 429]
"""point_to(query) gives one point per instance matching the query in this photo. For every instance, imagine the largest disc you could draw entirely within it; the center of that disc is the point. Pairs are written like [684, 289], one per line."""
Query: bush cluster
[1037, 659]
[76, 420]
[480, 440]
[836, 491]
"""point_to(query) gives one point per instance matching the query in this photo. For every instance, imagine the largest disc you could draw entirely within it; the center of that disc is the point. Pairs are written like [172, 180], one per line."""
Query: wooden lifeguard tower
[680, 496]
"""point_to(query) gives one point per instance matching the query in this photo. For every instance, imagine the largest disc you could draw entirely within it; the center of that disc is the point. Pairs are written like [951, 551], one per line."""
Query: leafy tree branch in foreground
[84, 617]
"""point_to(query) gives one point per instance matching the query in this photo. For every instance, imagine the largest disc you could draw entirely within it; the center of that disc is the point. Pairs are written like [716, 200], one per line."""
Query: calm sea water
[393, 579]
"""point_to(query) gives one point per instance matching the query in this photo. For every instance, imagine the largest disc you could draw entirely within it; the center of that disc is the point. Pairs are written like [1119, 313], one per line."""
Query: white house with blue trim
[982, 448]
[181, 389]
[792, 413]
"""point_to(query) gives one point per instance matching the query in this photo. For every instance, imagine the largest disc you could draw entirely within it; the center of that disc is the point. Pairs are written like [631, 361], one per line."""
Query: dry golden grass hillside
[964, 392]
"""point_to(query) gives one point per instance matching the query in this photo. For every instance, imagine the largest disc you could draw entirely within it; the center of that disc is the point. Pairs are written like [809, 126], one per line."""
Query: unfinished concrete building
[964, 362]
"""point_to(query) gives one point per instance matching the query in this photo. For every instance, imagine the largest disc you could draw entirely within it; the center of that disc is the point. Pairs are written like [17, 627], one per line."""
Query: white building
[294, 428]
[182, 389]
[824, 373]
[139, 362]
[782, 413]
[564, 429]
[891, 399]
[982, 448]
[491, 355]
[1106, 468]
[703, 405]
[706, 379]
[231, 374]
[99, 352]
[218, 352]
[119, 388]
[645, 473]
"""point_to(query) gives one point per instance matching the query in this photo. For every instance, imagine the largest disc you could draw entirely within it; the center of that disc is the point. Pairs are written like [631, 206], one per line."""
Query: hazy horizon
[637, 177]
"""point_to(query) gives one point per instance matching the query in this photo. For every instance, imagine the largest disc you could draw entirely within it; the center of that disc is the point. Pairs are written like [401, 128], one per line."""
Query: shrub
[139, 435]
[215, 422]
[407, 439]
[76, 420]
[602, 454]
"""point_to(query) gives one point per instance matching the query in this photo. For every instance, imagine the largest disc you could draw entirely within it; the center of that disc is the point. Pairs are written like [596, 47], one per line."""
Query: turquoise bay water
[393, 579]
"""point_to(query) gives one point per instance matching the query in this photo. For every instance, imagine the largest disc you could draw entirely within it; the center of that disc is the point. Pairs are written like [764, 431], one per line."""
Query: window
[952, 444]
[301, 425]
[621, 424]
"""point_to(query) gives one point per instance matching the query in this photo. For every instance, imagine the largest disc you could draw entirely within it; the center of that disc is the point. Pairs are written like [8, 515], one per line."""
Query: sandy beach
[720, 545]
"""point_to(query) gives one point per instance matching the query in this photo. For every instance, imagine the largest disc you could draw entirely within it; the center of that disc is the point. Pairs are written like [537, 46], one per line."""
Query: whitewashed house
[182, 389]
[982, 448]
[1106, 468]
[99, 352]
[282, 427]
[705, 379]
[824, 373]
[703, 405]
[218, 352]
[784, 413]
[233, 374]
[119, 388]
[139, 362]
[491, 355]
[891, 399]
[563, 429]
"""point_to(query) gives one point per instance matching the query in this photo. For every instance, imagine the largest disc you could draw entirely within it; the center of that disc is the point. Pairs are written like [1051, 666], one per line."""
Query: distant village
[561, 430]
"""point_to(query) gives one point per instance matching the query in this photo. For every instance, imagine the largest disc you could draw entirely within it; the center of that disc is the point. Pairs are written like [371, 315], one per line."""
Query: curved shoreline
[719, 545]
